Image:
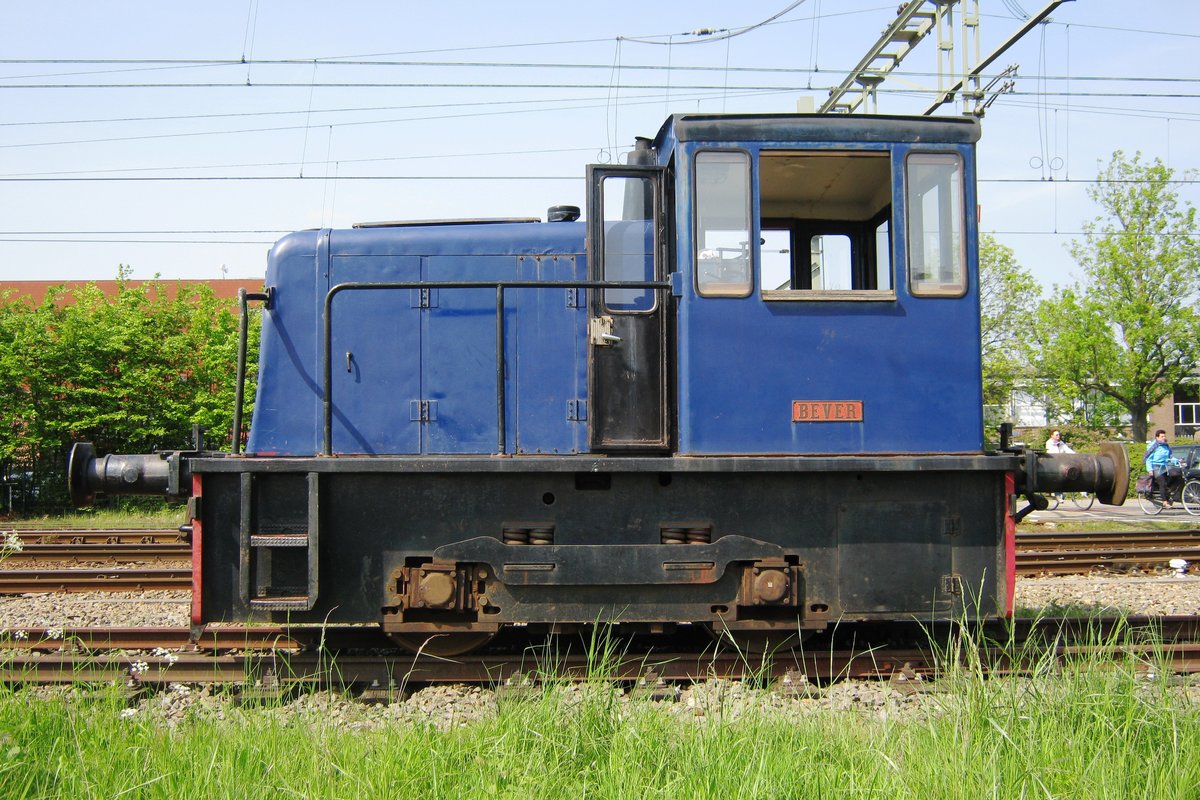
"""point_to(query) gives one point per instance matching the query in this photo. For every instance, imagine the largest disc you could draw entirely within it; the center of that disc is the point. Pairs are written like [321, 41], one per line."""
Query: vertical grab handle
[239, 389]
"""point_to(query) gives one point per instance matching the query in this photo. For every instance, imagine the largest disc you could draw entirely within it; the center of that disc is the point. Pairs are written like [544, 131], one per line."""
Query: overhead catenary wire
[452, 177]
[7, 82]
[716, 89]
[621, 93]
[1004, 100]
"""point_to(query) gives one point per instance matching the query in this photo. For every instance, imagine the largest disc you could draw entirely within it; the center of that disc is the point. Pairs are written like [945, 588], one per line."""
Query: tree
[1008, 297]
[1130, 329]
[130, 373]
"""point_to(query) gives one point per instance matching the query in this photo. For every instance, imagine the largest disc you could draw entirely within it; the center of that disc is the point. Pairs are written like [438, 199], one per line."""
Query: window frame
[862, 234]
[751, 222]
[947, 290]
[598, 233]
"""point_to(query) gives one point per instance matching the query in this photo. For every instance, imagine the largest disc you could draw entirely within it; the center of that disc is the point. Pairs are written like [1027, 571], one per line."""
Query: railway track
[134, 554]
[212, 638]
[31, 536]
[270, 657]
[102, 551]
[138, 579]
[1062, 553]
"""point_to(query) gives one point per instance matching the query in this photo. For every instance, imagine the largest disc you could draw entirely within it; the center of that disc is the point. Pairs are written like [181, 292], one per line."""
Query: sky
[182, 139]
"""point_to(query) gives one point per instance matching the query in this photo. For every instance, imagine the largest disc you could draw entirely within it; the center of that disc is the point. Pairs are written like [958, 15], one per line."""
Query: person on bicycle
[1055, 443]
[1158, 460]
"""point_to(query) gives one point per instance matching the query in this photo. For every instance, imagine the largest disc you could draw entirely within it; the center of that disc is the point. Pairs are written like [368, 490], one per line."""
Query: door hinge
[577, 410]
[676, 279]
[423, 298]
[422, 410]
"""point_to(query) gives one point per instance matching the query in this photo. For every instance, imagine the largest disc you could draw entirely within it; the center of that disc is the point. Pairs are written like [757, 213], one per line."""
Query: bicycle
[1082, 501]
[1185, 491]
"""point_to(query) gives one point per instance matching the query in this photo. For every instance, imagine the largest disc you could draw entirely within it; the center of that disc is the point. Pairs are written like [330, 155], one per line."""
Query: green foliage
[1008, 296]
[131, 373]
[1130, 330]
[1081, 730]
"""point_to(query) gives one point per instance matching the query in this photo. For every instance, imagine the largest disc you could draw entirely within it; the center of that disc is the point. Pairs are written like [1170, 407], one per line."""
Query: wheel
[757, 642]
[1052, 501]
[1149, 505]
[1191, 497]
[1083, 500]
[442, 645]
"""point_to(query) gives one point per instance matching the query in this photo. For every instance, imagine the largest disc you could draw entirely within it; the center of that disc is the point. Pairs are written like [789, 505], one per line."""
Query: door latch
[600, 332]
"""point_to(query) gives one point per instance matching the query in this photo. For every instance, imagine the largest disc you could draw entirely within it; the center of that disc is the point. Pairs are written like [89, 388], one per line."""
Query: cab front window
[826, 225]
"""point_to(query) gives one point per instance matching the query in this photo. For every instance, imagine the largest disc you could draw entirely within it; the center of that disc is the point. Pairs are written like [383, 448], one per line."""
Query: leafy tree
[1008, 297]
[131, 373]
[1129, 330]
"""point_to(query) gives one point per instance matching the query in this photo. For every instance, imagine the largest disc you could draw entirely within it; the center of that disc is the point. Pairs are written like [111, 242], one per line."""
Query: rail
[270, 660]
[500, 287]
[61, 581]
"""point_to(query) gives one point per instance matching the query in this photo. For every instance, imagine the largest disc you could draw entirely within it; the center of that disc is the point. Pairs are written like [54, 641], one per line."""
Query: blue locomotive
[744, 394]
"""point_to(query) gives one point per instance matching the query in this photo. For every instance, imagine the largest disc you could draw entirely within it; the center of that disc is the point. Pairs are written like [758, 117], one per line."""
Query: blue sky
[493, 110]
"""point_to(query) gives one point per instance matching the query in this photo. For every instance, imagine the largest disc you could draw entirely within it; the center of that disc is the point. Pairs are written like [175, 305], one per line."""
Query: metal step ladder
[914, 21]
[266, 554]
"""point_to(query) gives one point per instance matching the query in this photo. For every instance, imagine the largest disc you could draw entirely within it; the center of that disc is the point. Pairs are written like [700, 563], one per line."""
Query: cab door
[627, 328]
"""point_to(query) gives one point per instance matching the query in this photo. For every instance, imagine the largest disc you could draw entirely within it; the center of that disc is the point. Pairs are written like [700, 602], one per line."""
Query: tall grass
[161, 515]
[1090, 728]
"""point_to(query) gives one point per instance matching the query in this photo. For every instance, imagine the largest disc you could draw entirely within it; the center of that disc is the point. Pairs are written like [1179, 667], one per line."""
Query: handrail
[499, 286]
[235, 445]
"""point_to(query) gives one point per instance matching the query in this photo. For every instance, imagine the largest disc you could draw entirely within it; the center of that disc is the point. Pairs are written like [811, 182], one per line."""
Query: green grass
[1090, 730]
[1144, 523]
[152, 518]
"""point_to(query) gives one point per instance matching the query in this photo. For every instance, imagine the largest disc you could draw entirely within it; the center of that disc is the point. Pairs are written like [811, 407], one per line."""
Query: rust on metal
[771, 582]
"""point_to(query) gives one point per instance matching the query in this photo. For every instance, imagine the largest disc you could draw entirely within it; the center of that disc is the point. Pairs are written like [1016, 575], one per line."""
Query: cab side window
[936, 249]
[723, 234]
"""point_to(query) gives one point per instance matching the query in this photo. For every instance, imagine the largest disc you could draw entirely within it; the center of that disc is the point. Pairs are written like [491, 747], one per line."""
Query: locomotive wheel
[757, 642]
[442, 645]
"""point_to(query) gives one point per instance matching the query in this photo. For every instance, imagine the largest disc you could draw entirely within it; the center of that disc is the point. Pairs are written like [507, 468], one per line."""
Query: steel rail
[1066, 562]
[212, 638]
[20, 581]
[281, 669]
[31, 536]
[105, 552]
[271, 659]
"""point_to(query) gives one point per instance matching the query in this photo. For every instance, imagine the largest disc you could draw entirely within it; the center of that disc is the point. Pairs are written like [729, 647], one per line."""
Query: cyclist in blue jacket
[1158, 459]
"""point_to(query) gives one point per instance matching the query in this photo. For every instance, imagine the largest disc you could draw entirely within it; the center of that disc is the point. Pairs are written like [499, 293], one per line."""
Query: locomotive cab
[823, 291]
[744, 394]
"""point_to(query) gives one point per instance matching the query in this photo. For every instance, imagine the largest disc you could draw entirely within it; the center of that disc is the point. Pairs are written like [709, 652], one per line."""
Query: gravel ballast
[446, 707]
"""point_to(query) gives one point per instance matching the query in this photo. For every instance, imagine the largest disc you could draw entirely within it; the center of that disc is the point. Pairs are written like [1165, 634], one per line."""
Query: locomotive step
[279, 540]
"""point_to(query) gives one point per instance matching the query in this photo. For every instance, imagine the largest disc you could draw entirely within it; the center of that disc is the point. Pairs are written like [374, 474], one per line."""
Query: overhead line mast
[914, 21]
